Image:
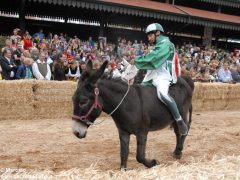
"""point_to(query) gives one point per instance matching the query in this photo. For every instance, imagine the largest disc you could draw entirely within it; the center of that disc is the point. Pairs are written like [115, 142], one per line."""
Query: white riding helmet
[154, 27]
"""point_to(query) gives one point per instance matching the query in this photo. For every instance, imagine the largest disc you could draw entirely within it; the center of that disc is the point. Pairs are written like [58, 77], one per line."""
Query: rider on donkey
[159, 66]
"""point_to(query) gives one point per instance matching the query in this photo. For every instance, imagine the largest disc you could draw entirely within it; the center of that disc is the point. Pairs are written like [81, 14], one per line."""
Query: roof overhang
[156, 10]
[231, 3]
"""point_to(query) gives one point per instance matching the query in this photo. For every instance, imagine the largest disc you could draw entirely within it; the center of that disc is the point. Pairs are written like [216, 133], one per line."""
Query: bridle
[96, 105]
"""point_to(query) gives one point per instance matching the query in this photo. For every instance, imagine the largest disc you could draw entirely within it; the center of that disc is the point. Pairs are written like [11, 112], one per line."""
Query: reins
[116, 106]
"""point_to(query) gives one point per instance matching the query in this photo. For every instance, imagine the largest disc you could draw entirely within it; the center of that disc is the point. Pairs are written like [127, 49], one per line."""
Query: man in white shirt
[41, 70]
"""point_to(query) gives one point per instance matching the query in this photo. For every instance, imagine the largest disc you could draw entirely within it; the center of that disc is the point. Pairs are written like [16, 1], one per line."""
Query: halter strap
[86, 118]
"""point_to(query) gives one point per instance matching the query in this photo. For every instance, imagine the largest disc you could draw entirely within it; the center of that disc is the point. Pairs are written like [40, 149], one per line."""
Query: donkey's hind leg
[187, 117]
[141, 148]
[181, 138]
[177, 153]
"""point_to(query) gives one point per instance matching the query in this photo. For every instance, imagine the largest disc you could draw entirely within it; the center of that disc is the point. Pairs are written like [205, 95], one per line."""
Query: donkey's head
[86, 104]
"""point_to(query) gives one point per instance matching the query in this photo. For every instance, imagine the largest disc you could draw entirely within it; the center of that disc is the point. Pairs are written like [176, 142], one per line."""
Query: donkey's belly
[160, 123]
[158, 117]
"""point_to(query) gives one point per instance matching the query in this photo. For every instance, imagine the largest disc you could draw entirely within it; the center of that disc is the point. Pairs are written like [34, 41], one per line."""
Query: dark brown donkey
[140, 112]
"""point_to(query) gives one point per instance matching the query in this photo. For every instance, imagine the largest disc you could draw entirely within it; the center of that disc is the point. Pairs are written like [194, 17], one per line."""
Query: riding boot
[171, 104]
[182, 127]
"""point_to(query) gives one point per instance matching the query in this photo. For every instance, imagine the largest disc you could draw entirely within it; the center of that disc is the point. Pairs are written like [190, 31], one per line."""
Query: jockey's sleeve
[160, 54]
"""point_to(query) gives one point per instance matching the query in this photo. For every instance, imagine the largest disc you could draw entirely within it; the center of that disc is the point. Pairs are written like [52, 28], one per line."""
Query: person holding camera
[73, 72]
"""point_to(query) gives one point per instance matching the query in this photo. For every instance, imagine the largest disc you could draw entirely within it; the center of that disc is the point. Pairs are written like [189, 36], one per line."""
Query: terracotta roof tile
[211, 15]
[165, 7]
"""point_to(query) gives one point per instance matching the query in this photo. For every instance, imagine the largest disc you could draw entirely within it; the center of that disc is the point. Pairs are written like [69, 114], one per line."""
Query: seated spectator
[27, 42]
[203, 75]
[42, 44]
[41, 69]
[73, 72]
[193, 72]
[224, 74]
[53, 54]
[39, 36]
[214, 74]
[15, 34]
[17, 54]
[96, 64]
[82, 67]
[112, 71]
[236, 73]
[59, 68]
[34, 54]
[8, 44]
[24, 71]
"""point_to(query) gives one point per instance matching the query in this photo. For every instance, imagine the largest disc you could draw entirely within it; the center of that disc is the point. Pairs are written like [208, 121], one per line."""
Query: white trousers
[162, 82]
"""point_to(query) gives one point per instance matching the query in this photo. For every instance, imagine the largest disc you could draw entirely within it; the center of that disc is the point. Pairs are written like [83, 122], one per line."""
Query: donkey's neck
[111, 93]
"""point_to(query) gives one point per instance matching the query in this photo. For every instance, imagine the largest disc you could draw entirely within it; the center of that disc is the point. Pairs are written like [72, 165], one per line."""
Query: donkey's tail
[190, 117]
[191, 84]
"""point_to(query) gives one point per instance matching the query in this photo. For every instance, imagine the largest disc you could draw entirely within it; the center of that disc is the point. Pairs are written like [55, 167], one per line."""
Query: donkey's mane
[113, 80]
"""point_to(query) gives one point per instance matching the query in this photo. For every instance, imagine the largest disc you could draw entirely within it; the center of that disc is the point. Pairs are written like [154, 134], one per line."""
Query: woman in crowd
[82, 67]
[59, 68]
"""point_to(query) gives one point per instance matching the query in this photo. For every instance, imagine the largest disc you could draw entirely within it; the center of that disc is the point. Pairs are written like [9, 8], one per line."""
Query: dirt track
[50, 144]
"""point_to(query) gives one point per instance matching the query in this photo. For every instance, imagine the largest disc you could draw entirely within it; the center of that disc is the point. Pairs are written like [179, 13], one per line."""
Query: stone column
[207, 38]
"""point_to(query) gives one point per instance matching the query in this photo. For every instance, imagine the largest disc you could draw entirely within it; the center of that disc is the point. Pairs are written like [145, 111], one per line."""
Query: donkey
[138, 113]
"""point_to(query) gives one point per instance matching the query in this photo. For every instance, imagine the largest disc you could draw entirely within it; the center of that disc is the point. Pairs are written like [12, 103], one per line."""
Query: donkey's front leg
[141, 147]
[124, 143]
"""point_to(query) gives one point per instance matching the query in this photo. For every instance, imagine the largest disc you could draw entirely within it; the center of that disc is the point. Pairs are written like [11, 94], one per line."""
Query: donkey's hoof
[177, 155]
[123, 169]
[156, 162]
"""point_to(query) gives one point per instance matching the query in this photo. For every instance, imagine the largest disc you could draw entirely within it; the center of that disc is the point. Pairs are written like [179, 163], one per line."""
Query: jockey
[160, 72]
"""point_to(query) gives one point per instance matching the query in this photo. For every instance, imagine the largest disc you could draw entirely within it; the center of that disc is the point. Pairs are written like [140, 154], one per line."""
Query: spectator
[224, 74]
[59, 68]
[203, 75]
[91, 42]
[34, 52]
[73, 72]
[236, 73]
[41, 70]
[24, 71]
[15, 35]
[17, 54]
[28, 43]
[39, 36]
[7, 64]
[8, 44]
[82, 67]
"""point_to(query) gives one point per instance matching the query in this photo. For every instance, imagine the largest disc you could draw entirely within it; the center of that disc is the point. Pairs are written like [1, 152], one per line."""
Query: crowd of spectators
[210, 64]
[59, 57]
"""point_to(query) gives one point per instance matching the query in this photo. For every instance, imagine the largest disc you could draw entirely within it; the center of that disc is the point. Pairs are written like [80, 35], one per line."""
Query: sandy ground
[50, 144]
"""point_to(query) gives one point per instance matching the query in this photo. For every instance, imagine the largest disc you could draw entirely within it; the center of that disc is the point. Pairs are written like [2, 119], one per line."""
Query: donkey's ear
[98, 73]
[89, 66]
